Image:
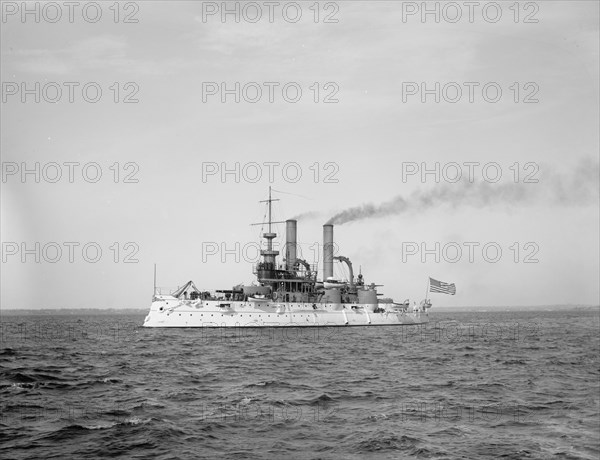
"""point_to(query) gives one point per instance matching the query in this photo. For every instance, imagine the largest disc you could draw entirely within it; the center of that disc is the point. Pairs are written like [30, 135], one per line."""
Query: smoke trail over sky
[306, 215]
[577, 187]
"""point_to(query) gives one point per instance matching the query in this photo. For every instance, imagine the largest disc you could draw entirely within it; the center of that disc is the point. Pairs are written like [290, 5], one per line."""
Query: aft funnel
[327, 251]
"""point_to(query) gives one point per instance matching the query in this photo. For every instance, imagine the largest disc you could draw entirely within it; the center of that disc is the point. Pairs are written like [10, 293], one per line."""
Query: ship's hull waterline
[176, 313]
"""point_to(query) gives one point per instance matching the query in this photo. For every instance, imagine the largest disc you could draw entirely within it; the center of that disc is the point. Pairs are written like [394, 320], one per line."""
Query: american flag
[440, 286]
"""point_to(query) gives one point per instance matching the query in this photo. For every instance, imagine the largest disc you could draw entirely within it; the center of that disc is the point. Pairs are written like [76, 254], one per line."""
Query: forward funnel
[290, 244]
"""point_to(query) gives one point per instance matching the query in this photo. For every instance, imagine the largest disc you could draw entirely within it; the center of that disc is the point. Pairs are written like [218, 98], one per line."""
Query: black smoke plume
[578, 187]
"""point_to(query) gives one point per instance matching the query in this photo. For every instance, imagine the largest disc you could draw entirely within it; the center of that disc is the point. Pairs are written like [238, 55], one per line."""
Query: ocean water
[506, 385]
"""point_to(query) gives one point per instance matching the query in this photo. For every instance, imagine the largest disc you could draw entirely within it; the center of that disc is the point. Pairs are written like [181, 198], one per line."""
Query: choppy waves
[482, 385]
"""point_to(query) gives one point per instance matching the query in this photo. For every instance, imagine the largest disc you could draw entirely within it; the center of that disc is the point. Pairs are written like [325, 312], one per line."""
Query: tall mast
[270, 200]
[269, 254]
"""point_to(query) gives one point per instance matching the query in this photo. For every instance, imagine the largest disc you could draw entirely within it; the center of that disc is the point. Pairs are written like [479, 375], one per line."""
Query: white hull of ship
[172, 312]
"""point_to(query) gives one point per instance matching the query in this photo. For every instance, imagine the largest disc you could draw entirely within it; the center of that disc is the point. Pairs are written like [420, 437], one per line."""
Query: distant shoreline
[142, 311]
[74, 311]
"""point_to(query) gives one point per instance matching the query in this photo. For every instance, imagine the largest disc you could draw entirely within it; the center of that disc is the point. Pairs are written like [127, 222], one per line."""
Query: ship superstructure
[286, 294]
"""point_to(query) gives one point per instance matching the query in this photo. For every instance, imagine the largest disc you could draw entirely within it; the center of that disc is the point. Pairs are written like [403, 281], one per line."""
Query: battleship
[286, 294]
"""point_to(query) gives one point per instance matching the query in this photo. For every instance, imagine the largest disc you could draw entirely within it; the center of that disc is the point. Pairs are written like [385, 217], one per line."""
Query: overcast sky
[372, 61]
